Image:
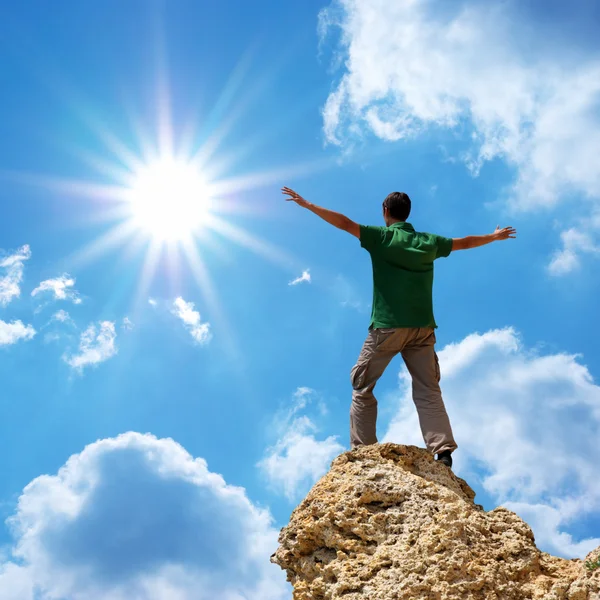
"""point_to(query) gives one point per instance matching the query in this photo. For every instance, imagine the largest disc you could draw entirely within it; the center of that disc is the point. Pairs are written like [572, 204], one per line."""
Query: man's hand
[504, 233]
[294, 197]
[333, 218]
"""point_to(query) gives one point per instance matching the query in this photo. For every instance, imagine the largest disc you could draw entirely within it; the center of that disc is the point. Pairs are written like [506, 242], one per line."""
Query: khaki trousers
[417, 346]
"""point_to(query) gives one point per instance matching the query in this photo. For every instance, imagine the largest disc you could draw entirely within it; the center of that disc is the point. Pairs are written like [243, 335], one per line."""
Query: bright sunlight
[169, 199]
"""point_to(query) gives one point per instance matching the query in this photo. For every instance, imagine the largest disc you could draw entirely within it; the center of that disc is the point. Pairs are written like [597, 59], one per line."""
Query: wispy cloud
[12, 266]
[10, 333]
[305, 277]
[410, 66]
[526, 424]
[127, 324]
[347, 294]
[152, 302]
[96, 345]
[51, 337]
[191, 319]
[61, 288]
[62, 316]
[298, 458]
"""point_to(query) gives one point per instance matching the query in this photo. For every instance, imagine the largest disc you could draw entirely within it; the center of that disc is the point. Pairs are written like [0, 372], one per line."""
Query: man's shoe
[445, 457]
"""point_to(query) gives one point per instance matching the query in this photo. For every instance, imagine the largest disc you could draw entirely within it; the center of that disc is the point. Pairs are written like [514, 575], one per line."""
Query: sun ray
[173, 259]
[147, 272]
[137, 243]
[75, 187]
[202, 276]
[165, 124]
[230, 91]
[114, 237]
[245, 239]
[266, 132]
[126, 156]
[102, 166]
[250, 181]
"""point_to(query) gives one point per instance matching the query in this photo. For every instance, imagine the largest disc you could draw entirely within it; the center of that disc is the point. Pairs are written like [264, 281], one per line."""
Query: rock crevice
[390, 523]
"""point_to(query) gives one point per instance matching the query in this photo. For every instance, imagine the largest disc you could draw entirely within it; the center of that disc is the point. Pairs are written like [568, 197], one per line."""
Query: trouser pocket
[358, 374]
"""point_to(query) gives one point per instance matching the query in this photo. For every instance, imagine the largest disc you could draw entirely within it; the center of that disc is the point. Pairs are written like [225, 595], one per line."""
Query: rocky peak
[390, 523]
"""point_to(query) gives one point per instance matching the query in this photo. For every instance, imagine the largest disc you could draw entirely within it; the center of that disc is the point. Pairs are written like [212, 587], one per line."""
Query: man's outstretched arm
[474, 241]
[334, 218]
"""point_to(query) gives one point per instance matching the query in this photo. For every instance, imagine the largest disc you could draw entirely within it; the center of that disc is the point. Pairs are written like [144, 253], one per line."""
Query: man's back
[402, 262]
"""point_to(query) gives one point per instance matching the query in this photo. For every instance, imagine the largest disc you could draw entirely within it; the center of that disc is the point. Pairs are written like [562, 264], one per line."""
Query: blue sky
[169, 405]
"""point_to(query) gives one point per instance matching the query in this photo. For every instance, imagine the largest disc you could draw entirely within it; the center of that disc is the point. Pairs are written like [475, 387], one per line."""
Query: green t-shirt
[402, 274]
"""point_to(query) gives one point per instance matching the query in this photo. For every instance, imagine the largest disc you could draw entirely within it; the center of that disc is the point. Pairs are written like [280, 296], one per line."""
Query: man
[402, 319]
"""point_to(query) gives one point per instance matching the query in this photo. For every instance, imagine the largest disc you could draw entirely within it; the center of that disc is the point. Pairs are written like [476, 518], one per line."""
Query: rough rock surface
[388, 522]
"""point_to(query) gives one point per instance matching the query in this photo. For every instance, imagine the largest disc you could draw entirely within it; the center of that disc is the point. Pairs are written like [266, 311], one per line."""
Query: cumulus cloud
[526, 424]
[305, 277]
[575, 242]
[96, 345]
[138, 518]
[11, 333]
[60, 288]
[11, 274]
[414, 65]
[191, 319]
[298, 458]
[547, 523]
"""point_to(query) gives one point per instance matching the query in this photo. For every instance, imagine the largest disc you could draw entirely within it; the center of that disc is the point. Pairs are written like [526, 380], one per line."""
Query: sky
[176, 339]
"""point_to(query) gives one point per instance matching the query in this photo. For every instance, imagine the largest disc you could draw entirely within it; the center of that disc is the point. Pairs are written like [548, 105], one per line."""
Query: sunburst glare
[174, 198]
[169, 199]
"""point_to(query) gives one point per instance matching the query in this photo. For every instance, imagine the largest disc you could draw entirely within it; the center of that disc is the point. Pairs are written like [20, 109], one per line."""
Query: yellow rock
[390, 523]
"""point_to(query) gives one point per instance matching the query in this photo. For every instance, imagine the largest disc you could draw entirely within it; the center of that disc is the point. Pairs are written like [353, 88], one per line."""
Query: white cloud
[547, 522]
[301, 399]
[62, 316]
[128, 324]
[575, 243]
[298, 459]
[96, 345]
[138, 518]
[61, 288]
[305, 277]
[412, 65]
[526, 424]
[11, 333]
[12, 266]
[152, 302]
[191, 319]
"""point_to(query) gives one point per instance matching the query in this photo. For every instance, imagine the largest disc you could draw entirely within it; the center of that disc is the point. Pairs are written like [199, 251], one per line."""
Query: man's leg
[422, 363]
[364, 375]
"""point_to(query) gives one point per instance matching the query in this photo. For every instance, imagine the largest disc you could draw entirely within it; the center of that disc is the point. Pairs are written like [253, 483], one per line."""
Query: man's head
[396, 207]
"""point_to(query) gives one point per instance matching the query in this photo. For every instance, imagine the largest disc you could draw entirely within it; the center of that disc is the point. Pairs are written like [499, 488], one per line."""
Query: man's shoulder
[372, 236]
[434, 237]
[372, 227]
[442, 244]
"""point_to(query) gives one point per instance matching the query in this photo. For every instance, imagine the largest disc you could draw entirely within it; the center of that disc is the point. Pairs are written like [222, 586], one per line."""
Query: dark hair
[398, 205]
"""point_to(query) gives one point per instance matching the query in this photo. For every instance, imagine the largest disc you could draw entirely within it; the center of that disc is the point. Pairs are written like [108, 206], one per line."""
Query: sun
[169, 199]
